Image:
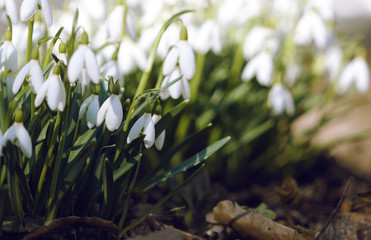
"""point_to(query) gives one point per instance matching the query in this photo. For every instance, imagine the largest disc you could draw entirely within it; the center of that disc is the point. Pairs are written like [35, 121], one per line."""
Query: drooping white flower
[83, 64]
[325, 8]
[111, 112]
[181, 87]
[8, 54]
[9, 7]
[333, 59]
[114, 24]
[130, 56]
[54, 92]
[310, 28]
[29, 7]
[18, 135]
[255, 41]
[356, 72]
[181, 54]
[260, 66]
[144, 125]
[280, 99]
[91, 107]
[209, 37]
[159, 141]
[32, 72]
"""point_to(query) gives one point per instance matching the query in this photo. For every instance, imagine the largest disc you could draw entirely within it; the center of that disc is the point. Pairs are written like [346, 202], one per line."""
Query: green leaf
[126, 167]
[169, 117]
[51, 46]
[265, 211]
[80, 144]
[190, 162]
[107, 182]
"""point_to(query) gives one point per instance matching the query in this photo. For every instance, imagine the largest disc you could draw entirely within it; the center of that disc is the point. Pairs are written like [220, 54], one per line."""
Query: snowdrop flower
[310, 27]
[91, 107]
[260, 66]
[255, 41]
[333, 59]
[181, 87]
[159, 141]
[281, 100]
[130, 55]
[111, 110]
[356, 71]
[326, 8]
[180, 55]
[114, 24]
[8, 54]
[144, 125]
[209, 38]
[83, 64]
[9, 7]
[18, 135]
[29, 7]
[53, 90]
[32, 72]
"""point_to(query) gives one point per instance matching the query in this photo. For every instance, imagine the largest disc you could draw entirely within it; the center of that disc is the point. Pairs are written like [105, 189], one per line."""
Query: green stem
[236, 67]
[2, 111]
[123, 30]
[29, 38]
[196, 80]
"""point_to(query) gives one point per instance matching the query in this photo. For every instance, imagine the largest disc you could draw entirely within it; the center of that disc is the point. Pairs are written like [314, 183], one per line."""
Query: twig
[252, 224]
[333, 213]
[63, 223]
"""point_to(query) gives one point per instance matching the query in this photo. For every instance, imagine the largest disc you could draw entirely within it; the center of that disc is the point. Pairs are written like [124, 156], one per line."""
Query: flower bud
[62, 47]
[19, 116]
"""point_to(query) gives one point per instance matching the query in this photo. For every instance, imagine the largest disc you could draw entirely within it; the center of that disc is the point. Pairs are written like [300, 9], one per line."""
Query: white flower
[144, 125]
[356, 71]
[130, 55]
[281, 100]
[159, 142]
[8, 56]
[292, 73]
[91, 107]
[111, 111]
[18, 135]
[181, 54]
[9, 7]
[208, 37]
[114, 24]
[54, 92]
[255, 41]
[83, 64]
[29, 7]
[260, 66]
[310, 27]
[181, 87]
[111, 68]
[333, 59]
[33, 73]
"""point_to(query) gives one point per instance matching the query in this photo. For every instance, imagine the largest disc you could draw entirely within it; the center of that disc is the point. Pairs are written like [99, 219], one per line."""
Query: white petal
[23, 140]
[62, 98]
[265, 69]
[2, 55]
[12, 59]
[124, 58]
[41, 94]
[91, 65]
[28, 8]
[149, 131]
[130, 27]
[84, 106]
[102, 111]
[76, 64]
[47, 12]
[114, 114]
[20, 78]
[186, 90]
[175, 90]
[363, 75]
[140, 57]
[170, 61]
[248, 71]
[91, 114]
[136, 129]
[114, 22]
[12, 11]
[346, 78]
[159, 142]
[187, 61]
[9, 135]
[53, 93]
[36, 75]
